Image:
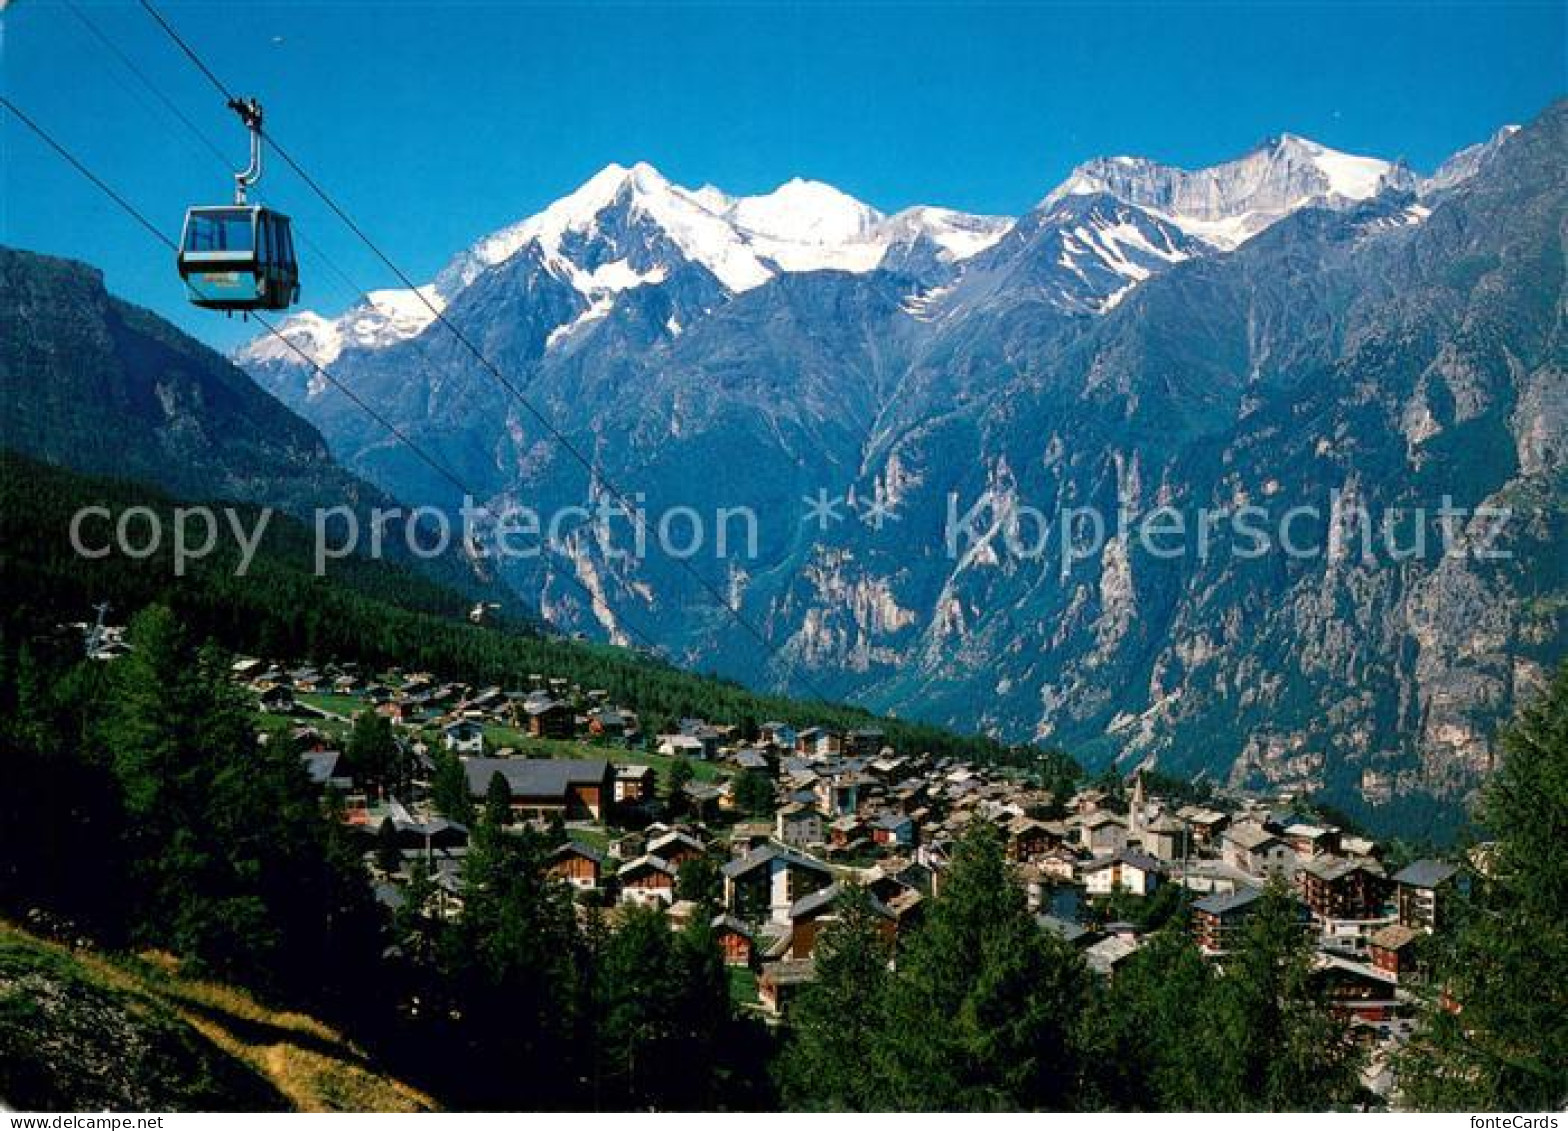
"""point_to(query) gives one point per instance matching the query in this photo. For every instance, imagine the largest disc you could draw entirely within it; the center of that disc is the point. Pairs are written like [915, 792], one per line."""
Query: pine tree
[754, 794]
[839, 1019]
[412, 924]
[373, 755]
[699, 880]
[389, 857]
[991, 996]
[234, 864]
[680, 775]
[498, 802]
[449, 789]
[1151, 1039]
[1294, 1053]
[512, 967]
[701, 1014]
[640, 1053]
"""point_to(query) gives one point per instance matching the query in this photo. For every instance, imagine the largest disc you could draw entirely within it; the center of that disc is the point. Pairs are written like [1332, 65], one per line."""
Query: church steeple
[1135, 811]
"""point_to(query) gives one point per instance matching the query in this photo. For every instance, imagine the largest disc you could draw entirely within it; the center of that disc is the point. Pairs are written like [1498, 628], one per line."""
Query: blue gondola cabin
[239, 257]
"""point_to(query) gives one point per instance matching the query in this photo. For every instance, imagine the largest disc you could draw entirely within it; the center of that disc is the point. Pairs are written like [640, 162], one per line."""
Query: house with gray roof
[767, 882]
[574, 788]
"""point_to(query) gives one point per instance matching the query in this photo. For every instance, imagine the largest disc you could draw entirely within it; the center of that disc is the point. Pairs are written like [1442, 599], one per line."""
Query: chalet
[866, 742]
[735, 939]
[578, 864]
[682, 746]
[1206, 825]
[549, 718]
[575, 789]
[815, 742]
[798, 825]
[675, 848]
[646, 879]
[306, 679]
[811, 913]
[610, 723]
[434, 834]
[1393, 949]
[1058, 864]
[888, 767]
[1335, 888]
[797, 769]
[327, 770]
[635, 784]
[885, 886]
[1356, 990]
[753, 760]
[1102, 832]
[1073, 934]
[277, 699]
[704, 796]
[1422, 889]
[1088, 801]
[845, 831]
[1216, 920]
[1252, 849]
[1104, 956]
[1309, 841]
[747, 835]
[779, 982]
[767, 882]
[1131, 872]
[709, 737]
[627, 847]
[465, 736]
[839, 795]
[1164, 838]
[395, 710]
[781, 736]
[1364, 847]
[487, 700]
[1028, 838]
[893, 829]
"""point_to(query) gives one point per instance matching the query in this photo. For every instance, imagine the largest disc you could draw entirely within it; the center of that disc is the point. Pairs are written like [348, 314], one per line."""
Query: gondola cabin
[239, 257]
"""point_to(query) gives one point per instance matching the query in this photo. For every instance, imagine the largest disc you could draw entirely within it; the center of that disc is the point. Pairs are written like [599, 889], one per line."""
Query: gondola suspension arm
[249, 111]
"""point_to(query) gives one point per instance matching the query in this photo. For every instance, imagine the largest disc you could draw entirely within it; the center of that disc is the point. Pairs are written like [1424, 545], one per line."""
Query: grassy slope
[82, 1031]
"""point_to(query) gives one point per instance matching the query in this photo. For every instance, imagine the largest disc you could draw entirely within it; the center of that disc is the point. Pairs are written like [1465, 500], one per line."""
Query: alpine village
[541, 894]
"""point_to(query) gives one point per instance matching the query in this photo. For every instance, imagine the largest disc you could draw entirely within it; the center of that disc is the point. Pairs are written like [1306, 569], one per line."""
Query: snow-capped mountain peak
[629, 225]
[957, 235]
[802, 225]
[1348, 176]
[388, 316]
[1227, 204]
[804, 212]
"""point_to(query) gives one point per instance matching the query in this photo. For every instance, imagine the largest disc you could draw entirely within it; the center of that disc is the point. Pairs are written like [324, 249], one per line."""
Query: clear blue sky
[435, 123]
